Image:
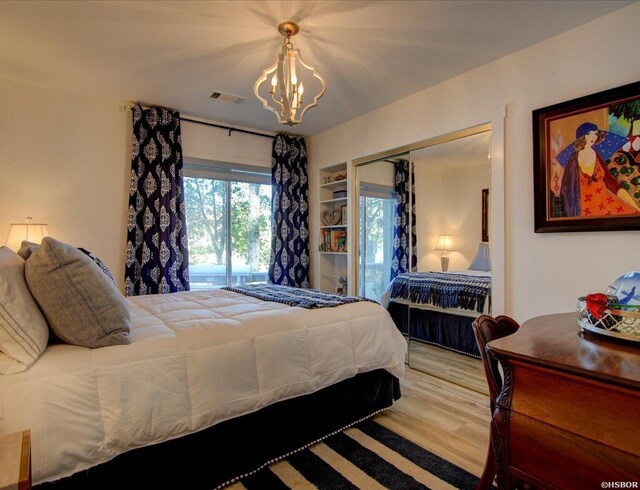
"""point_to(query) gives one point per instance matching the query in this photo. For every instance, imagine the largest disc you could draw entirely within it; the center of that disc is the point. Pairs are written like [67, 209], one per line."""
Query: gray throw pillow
[23, 330]
[82, 306]
[27, 248]
[99, 263]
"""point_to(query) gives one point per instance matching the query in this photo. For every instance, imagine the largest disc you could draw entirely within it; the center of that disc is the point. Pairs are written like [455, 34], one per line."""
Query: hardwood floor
[447, 419]
[451, 366]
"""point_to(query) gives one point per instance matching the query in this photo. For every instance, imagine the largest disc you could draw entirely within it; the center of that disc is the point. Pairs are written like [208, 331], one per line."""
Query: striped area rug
[367, 456]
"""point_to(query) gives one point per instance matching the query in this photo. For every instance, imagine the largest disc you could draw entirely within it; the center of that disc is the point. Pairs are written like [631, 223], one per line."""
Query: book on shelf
[338, 240]
[326, 240]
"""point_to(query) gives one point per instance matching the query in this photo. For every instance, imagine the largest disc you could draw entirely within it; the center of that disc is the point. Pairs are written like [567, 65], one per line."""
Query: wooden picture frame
[485, 215]
[586, 163]
[343, 211]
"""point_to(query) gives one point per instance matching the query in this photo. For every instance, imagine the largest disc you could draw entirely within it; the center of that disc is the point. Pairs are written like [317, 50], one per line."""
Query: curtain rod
[231, 129]
[220, 126]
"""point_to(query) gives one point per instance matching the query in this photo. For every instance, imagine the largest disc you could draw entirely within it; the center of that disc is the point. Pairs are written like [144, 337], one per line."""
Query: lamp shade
[445, 243]
[31, 232]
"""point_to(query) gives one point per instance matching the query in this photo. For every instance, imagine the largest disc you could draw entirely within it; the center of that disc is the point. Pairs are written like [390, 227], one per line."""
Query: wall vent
[234, 99]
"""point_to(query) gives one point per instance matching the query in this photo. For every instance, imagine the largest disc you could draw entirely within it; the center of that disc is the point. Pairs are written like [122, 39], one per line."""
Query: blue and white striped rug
[367, 456]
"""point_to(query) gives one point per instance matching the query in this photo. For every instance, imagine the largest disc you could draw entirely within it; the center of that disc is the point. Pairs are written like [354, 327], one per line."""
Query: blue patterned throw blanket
[304, 298]
[443, 289]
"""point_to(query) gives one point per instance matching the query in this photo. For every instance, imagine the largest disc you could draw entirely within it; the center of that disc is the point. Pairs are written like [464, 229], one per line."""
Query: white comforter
[195, 359]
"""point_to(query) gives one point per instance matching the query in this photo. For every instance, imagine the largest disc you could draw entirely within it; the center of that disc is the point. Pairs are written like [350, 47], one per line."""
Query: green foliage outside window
[206, 210]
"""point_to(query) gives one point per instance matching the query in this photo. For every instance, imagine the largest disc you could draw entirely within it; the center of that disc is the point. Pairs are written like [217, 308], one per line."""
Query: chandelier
[288, 76]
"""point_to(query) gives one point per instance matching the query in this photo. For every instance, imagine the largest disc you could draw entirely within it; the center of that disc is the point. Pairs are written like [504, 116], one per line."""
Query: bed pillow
[482, 261]
[27, 248]
[23, 330]
[81, 304]
[99, 263]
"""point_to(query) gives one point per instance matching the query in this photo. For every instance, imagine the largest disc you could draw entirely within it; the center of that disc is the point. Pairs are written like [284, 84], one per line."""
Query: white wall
[545, 273]
[462, 215]
[205, 142]
[65, 160]
[450, 200]
[430, 193]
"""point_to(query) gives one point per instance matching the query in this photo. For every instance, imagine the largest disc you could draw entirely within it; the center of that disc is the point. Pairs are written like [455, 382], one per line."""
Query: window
[228, 212]
[377, 204]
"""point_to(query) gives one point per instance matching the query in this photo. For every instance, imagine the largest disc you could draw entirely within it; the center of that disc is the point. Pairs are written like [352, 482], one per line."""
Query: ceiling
[176, 53]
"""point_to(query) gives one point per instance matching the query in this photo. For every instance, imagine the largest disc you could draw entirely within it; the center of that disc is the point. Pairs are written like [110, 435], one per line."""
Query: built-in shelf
[338, 183]
[332, 259]
[338, 199]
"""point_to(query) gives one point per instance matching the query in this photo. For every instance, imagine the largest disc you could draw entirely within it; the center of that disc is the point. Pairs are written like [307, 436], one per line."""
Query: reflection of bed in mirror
[438, 308]
[450, 178]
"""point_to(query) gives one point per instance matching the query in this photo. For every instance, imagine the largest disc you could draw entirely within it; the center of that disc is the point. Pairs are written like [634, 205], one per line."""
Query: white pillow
[24, 332]
[482, 260]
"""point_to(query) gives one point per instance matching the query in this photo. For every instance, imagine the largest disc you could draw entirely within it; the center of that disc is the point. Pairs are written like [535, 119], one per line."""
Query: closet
[451, 177]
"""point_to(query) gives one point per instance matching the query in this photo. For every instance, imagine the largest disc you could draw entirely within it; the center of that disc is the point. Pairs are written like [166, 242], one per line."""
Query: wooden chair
[486, 329]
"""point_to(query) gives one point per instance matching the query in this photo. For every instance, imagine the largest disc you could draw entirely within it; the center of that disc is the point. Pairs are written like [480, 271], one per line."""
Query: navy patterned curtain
[405, 197]
[157, 258]
[289, 263]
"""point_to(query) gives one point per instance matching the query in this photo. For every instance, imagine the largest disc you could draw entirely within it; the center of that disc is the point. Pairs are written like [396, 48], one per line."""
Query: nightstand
[15, 461]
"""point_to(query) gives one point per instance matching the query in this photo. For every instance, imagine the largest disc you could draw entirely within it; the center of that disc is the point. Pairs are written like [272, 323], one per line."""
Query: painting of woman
[587, 187]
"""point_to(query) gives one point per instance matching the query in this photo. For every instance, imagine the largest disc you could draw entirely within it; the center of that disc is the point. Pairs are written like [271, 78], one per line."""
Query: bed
[438, 308]
[213, 385]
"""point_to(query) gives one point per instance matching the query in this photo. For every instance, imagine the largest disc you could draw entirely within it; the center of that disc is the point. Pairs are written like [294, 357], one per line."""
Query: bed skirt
[451, 332]
[220, 454]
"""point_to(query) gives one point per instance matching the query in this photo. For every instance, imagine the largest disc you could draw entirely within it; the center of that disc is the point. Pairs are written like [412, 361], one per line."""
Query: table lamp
[31, 232]
[444, 245]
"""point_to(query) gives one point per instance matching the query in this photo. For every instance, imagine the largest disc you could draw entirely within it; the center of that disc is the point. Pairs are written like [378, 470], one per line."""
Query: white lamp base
[444, 262]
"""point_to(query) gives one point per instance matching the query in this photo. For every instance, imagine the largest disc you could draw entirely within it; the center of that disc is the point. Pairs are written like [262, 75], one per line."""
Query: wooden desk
[569, 412]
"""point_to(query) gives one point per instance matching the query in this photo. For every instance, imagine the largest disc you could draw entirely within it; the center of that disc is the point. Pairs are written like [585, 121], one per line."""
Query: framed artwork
[343, 210]
[485, 215]
[586, 163]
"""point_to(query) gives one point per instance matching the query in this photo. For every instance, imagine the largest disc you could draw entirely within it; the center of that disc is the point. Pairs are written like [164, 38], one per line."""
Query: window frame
[227, 172]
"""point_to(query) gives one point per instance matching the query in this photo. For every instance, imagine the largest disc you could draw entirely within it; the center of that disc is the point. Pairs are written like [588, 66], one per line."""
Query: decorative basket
[339, 194]
[619, 323]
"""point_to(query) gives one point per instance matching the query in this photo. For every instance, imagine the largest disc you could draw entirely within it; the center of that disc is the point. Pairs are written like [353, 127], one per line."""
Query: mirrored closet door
[416, 208]
[451, 182]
